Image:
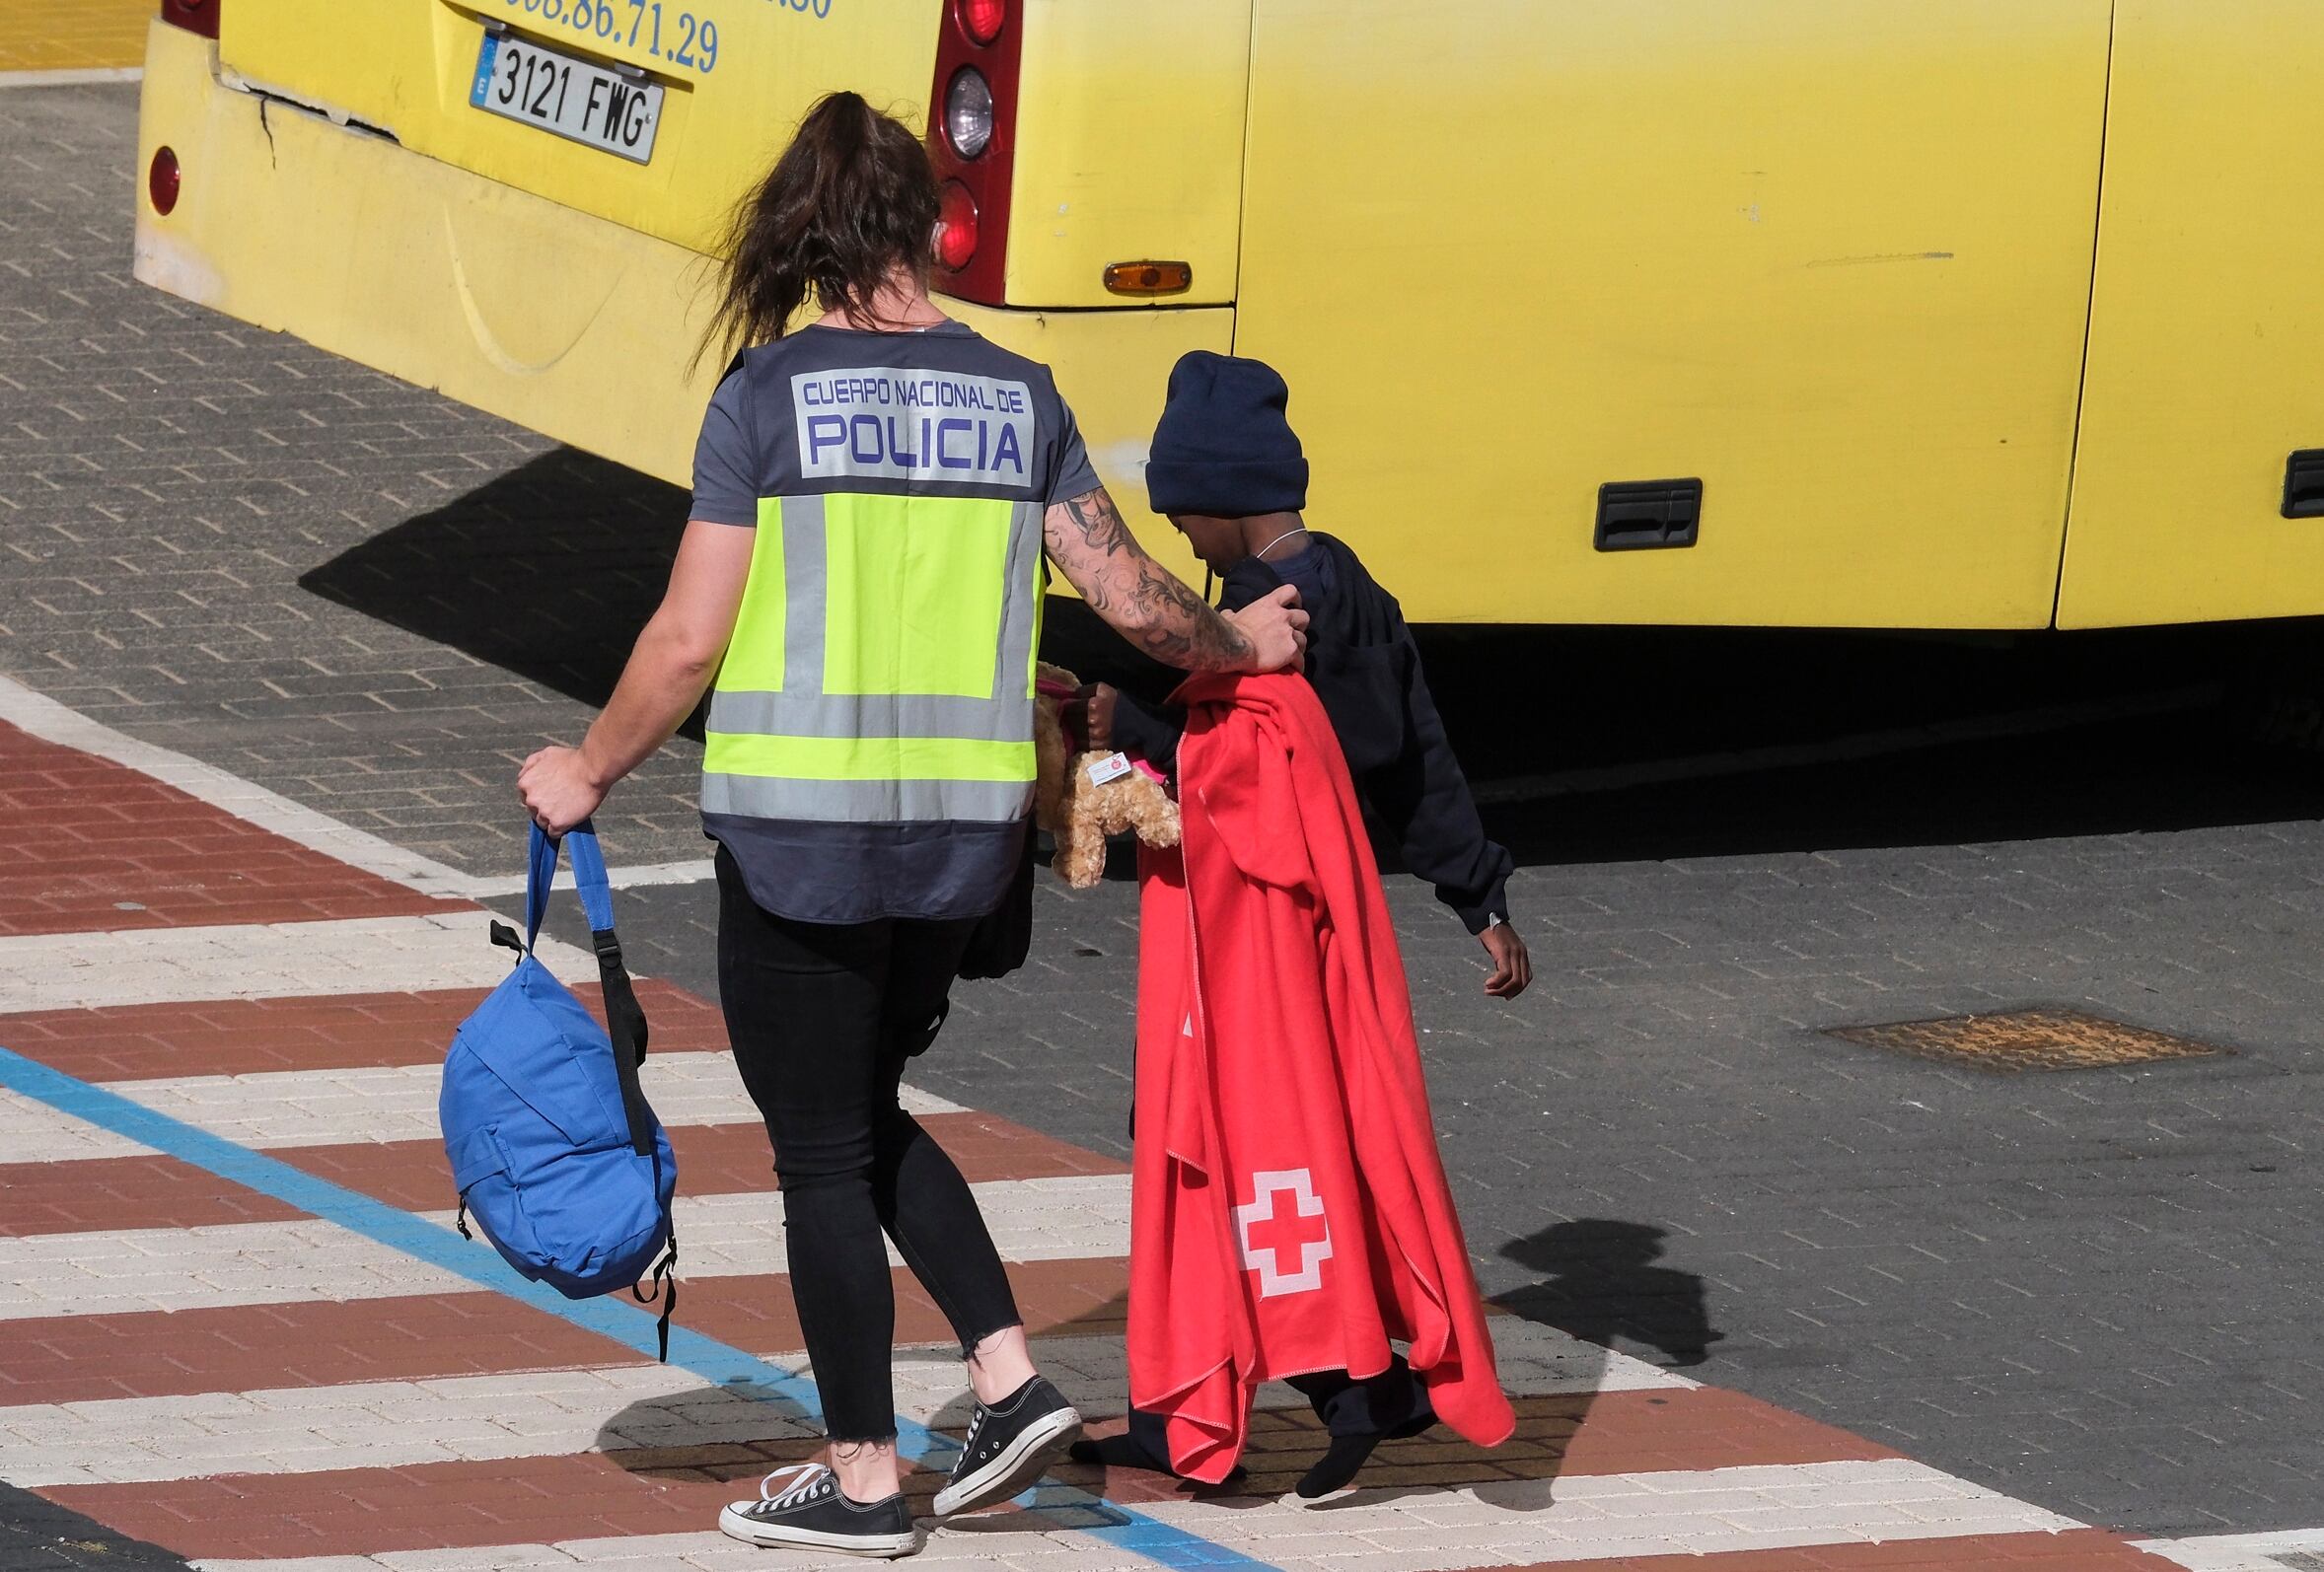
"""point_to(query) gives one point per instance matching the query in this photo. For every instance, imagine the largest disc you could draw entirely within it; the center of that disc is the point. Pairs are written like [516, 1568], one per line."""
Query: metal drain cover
[2013, 1040]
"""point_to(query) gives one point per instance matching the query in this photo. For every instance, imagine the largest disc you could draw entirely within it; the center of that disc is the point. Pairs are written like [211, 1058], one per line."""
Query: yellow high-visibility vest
[881, 669]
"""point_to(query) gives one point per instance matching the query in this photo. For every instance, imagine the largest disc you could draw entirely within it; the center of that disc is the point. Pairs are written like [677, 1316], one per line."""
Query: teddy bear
[1082, 795]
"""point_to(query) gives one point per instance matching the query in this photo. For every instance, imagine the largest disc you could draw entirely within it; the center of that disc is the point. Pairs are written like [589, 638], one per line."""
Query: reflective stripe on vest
[881, 669]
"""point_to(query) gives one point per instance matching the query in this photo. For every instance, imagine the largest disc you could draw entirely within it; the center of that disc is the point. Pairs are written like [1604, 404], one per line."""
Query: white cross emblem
[1312, 1245]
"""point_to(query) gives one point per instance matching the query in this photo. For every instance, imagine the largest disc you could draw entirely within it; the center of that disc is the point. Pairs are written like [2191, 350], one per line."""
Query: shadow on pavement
[548, 571]
[1607, 743]
[40, 1534]
[1605, 1284]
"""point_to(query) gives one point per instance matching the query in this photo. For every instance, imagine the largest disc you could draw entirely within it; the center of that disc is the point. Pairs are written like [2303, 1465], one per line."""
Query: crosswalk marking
[117, 1270]
[1621, 1473]
[1534, 1523]
[265, 960]
[544, 1413]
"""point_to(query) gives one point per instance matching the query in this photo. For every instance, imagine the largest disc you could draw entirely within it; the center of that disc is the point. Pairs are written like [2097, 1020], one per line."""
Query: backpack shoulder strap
[626, 1022]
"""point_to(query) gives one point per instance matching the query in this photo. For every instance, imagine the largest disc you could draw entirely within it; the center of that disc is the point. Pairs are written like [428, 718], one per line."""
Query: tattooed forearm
[1137, 596]
[1100, 523]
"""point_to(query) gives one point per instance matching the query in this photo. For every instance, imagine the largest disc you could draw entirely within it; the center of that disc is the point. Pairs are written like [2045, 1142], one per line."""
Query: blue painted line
[613, 1317]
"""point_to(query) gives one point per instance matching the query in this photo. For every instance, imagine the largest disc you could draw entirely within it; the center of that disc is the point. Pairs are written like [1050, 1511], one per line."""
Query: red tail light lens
[972, 141]
[981, 20]
[955, 227]
[161, 180]
[196, 15]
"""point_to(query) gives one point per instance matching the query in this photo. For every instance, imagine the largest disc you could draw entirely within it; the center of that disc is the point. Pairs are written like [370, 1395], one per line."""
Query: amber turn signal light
[1149, 278]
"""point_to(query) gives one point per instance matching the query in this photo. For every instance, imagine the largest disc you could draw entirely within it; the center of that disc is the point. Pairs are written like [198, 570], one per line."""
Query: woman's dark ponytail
[852, 197]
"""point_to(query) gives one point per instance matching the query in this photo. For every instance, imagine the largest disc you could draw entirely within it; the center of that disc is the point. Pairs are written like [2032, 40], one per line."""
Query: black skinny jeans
[824, 1017]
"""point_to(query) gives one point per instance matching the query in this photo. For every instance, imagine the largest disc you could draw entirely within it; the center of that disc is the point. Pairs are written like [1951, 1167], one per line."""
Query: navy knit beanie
[1222, 447]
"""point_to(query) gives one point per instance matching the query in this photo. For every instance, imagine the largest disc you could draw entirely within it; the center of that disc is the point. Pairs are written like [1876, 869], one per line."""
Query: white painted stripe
[1597, 1517]
[117, 1271]
[264, 961]
[86, 76]
[1075, 1217]
[275, 1109]
[33, 1132]
[124, 1270]
[46, 718]
[2237, 1552]
[1592, 1517]
[692, 872]
[549, 1413]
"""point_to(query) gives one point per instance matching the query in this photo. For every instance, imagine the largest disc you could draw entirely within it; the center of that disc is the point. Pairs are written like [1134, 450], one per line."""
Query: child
[1227, 470]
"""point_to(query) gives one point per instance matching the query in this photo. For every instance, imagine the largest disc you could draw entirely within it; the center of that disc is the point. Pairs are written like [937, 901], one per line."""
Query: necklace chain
[1262, 552]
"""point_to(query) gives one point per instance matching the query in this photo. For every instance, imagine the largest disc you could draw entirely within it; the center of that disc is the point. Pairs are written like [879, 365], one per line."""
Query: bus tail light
[971, 138]
[195, 16]
[968, 113]
[955, 227]
[982, 20]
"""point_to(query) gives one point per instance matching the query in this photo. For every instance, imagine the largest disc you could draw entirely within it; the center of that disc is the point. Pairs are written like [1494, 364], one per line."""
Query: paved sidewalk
[263, 1374]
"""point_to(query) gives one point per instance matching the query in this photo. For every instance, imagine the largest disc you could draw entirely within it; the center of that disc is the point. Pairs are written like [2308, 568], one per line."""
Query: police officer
[859, 591]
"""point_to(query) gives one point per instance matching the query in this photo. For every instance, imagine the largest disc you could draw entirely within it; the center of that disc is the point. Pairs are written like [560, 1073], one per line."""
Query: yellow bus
[1966, 313]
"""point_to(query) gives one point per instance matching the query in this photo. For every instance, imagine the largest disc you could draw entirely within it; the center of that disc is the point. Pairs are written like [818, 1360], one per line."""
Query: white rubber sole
[1026, 1459]
[877, 1546]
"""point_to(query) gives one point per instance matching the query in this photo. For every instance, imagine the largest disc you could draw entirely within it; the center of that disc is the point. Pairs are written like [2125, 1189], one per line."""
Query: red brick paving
[1062, 1297]
[429, 1506]
[343, 1031]
[1618, 1432]
[96, 1194]
[96, 845]
[712, 1160]
[248, 1348]
[109, 1192]
[254, 1347]
[678, 1489]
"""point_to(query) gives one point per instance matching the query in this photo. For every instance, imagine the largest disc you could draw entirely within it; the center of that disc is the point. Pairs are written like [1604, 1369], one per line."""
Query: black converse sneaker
[1010, 1443]
[808, 1512]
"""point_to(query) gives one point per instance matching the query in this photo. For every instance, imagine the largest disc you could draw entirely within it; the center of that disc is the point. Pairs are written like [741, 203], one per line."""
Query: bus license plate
[573, 98]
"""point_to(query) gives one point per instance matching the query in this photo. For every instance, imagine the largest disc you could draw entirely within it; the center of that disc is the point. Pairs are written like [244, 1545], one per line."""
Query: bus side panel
[2207, 330]
[1129, 147]
[1831, 256]
[406, 66]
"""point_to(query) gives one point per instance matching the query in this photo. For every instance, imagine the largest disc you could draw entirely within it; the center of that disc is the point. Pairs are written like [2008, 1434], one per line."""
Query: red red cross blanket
[1289, 1210]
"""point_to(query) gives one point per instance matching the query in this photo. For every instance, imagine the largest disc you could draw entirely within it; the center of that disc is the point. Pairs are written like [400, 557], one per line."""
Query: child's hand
[1513, 968]
[1098, 714]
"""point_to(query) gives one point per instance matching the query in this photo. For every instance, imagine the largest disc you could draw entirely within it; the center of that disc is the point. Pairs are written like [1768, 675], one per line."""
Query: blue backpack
[553, 1148]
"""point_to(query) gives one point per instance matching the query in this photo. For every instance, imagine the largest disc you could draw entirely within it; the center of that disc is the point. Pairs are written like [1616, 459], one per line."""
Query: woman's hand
[558, 789]
[1513, 968]
[1275, 629]
[1097, 715]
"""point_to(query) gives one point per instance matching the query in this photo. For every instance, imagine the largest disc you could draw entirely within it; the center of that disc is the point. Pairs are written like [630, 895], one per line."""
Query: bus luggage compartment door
[2206, 323]
[1829, 258]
